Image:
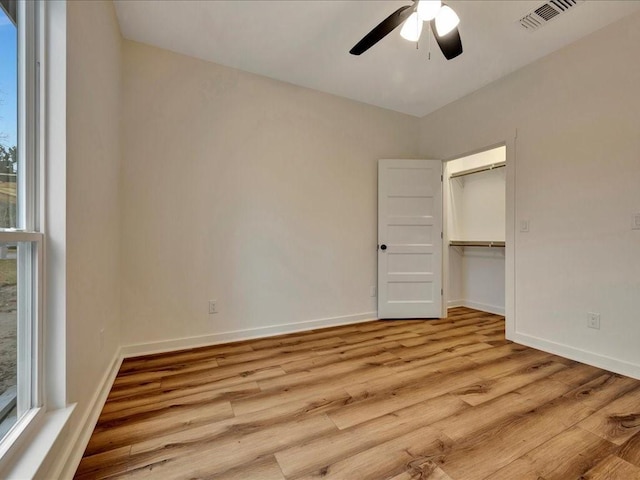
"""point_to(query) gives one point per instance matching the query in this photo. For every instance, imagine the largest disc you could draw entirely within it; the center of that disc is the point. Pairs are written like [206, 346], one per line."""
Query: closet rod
[484, 168]
[466, 243]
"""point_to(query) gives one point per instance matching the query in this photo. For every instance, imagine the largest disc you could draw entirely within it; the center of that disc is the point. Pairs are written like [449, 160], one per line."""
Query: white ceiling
[307, 43]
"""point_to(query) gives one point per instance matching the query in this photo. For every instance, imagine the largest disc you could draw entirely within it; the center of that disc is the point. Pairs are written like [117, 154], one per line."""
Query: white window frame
[31, 261]
[32, 448]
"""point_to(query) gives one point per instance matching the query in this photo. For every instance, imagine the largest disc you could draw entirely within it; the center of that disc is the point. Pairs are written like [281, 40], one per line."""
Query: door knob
[383, 247]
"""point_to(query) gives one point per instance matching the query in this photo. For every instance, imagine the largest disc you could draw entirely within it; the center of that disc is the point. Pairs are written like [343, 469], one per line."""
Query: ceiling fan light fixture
[446, 20]
[412, 28]
[407, 16]
[428, 9]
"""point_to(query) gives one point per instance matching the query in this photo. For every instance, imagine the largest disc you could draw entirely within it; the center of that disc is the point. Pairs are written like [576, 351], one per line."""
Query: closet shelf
[484, 168]
[467, 243]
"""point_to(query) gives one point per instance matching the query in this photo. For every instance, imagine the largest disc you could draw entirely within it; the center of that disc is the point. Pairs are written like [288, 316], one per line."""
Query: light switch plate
[593, 320]
[635, 222]
[524, 226]
[213, 306]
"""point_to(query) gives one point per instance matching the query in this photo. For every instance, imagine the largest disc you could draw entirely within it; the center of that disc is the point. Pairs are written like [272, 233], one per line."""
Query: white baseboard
[483, 307]
[583, 356]
[78, 439]
[476, 306]
[245, 334]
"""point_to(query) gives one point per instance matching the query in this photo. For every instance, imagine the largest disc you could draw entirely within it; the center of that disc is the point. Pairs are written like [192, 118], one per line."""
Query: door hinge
[442, 178]
[441, 291]
[441, 234]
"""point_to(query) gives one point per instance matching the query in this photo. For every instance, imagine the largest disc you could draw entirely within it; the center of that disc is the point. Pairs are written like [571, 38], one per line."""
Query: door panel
[410, 226]
[414, 206]
[416, 263]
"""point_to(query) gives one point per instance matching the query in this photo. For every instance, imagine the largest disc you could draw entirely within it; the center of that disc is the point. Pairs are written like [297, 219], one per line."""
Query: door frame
[510, 224]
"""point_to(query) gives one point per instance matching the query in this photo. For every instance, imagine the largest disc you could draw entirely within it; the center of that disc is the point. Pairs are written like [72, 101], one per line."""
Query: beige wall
[253, 192]
[93, 159]
[576, 178]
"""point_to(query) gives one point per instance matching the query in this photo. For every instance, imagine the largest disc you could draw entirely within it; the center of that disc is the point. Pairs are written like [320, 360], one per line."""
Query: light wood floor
[447, 400]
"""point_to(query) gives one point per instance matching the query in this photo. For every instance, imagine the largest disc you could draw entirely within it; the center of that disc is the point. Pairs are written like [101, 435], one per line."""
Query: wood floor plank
[568, 455]
[330, 372]
[414, 452]
[223, 376]
[452, 324]
[577, 374]
[265, 468]
[397, 333]
[300, 338]
[202, 458]
[448, 333]
[427, 360]
[467, 422]
[373, 403]
[275, 397]
[238, 425]
[428, 349]
[508, 364]
[427, 471]
[443, 399]
[613, 468]
[489, 389]
[478, 456]
[357, 349]
[316, 361]
[314, 454]
[603, 389]
[111, 435]
[126, 406]
[105, 464]
[549, 388]
[135, 389]
[498, 352]
[159, 361]
[618, 421]
[262, 358]
[173, 399]
[409, 377]
[137, 377]
[340, 354]
[630, 450]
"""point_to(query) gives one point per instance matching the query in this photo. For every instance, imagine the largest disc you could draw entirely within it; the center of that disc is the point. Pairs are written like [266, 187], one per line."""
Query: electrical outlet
[524, 226]
[372, 291]
[593, 320]
[635, 222]
[213, 306]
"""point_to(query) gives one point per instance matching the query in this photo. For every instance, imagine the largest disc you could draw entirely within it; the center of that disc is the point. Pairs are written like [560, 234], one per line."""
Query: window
[20, 236]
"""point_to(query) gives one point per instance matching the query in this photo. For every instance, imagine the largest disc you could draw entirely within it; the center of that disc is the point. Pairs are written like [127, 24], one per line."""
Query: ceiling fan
[442, 20]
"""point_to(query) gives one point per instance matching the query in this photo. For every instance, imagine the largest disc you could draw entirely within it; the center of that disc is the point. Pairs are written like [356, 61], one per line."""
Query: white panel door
[409, 239]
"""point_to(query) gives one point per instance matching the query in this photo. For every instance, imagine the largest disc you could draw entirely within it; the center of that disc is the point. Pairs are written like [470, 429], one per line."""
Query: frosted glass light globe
[412, 28]
[446, 20]
[428, 9]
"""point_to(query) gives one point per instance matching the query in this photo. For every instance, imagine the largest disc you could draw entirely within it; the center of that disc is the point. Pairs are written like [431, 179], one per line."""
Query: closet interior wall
[475, 211]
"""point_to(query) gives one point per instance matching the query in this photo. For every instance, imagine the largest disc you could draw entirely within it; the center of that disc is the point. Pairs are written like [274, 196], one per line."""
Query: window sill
[32, 450]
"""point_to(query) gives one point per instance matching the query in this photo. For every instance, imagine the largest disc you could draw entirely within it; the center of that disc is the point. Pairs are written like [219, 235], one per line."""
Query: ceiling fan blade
[383, 29]
[450, 44]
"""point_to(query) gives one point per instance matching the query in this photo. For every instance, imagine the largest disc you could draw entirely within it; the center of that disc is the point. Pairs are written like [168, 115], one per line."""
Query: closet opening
[474, 191]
